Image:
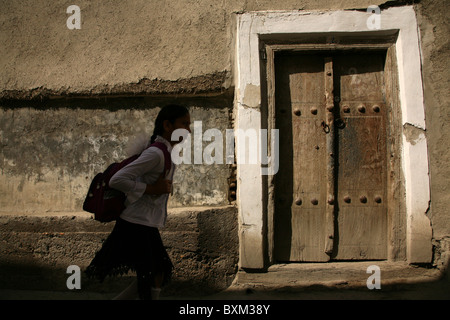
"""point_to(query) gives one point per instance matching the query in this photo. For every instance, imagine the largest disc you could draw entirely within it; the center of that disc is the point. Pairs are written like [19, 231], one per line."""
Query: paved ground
[314, 281]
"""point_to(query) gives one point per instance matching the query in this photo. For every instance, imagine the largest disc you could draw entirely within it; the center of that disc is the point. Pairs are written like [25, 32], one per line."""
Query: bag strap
[167, 158]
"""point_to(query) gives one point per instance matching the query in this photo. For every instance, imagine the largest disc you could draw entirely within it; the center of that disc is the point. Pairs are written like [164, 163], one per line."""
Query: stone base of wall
[442, 255]
[35, 251]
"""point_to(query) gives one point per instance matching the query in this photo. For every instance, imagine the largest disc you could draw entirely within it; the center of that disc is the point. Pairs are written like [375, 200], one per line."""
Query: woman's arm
[161, 186]
[125, 179]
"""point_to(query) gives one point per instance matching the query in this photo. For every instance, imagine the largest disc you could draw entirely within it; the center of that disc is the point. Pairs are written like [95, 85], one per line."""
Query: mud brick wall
[36, 250]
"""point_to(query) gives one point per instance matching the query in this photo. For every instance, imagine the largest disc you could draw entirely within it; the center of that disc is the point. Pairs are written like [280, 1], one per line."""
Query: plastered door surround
[253, 192]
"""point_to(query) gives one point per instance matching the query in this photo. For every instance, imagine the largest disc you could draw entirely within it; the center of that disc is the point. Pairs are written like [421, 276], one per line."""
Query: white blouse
[145, 209]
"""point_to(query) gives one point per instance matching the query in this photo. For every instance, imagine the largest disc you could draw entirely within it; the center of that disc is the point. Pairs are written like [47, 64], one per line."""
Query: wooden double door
[331, 187]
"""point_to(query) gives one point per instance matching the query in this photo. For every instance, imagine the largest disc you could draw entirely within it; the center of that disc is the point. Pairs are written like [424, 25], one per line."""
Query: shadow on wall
[36, 251]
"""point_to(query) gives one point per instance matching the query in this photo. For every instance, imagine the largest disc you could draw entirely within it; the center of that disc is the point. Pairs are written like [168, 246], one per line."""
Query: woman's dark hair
[170, 112]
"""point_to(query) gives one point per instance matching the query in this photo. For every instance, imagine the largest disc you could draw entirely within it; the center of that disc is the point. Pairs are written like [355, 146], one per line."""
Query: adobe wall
[121, 44]
[71, 100]
[434, 30]
[178, 48]
[52, 150]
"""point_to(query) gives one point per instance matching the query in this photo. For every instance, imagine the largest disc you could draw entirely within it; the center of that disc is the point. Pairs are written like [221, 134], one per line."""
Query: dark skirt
[132, 247]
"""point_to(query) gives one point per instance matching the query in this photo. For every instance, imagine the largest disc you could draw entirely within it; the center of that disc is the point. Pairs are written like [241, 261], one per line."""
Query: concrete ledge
[340, 280]
[332, 274]
[36, 250]
[204, 84]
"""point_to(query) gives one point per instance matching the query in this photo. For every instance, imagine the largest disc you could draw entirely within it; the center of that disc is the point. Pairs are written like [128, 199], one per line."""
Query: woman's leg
[158, 280]
[144, 285]
[149, 286]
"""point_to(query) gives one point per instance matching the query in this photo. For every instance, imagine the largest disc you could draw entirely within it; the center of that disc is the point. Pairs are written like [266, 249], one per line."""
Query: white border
[248, 115]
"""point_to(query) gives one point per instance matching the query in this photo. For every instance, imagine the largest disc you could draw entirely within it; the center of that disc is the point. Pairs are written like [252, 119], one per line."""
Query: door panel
[362, 215]
[301, 188]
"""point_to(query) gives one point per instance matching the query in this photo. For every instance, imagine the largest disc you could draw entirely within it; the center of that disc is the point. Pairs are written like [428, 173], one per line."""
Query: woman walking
[135, 242]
